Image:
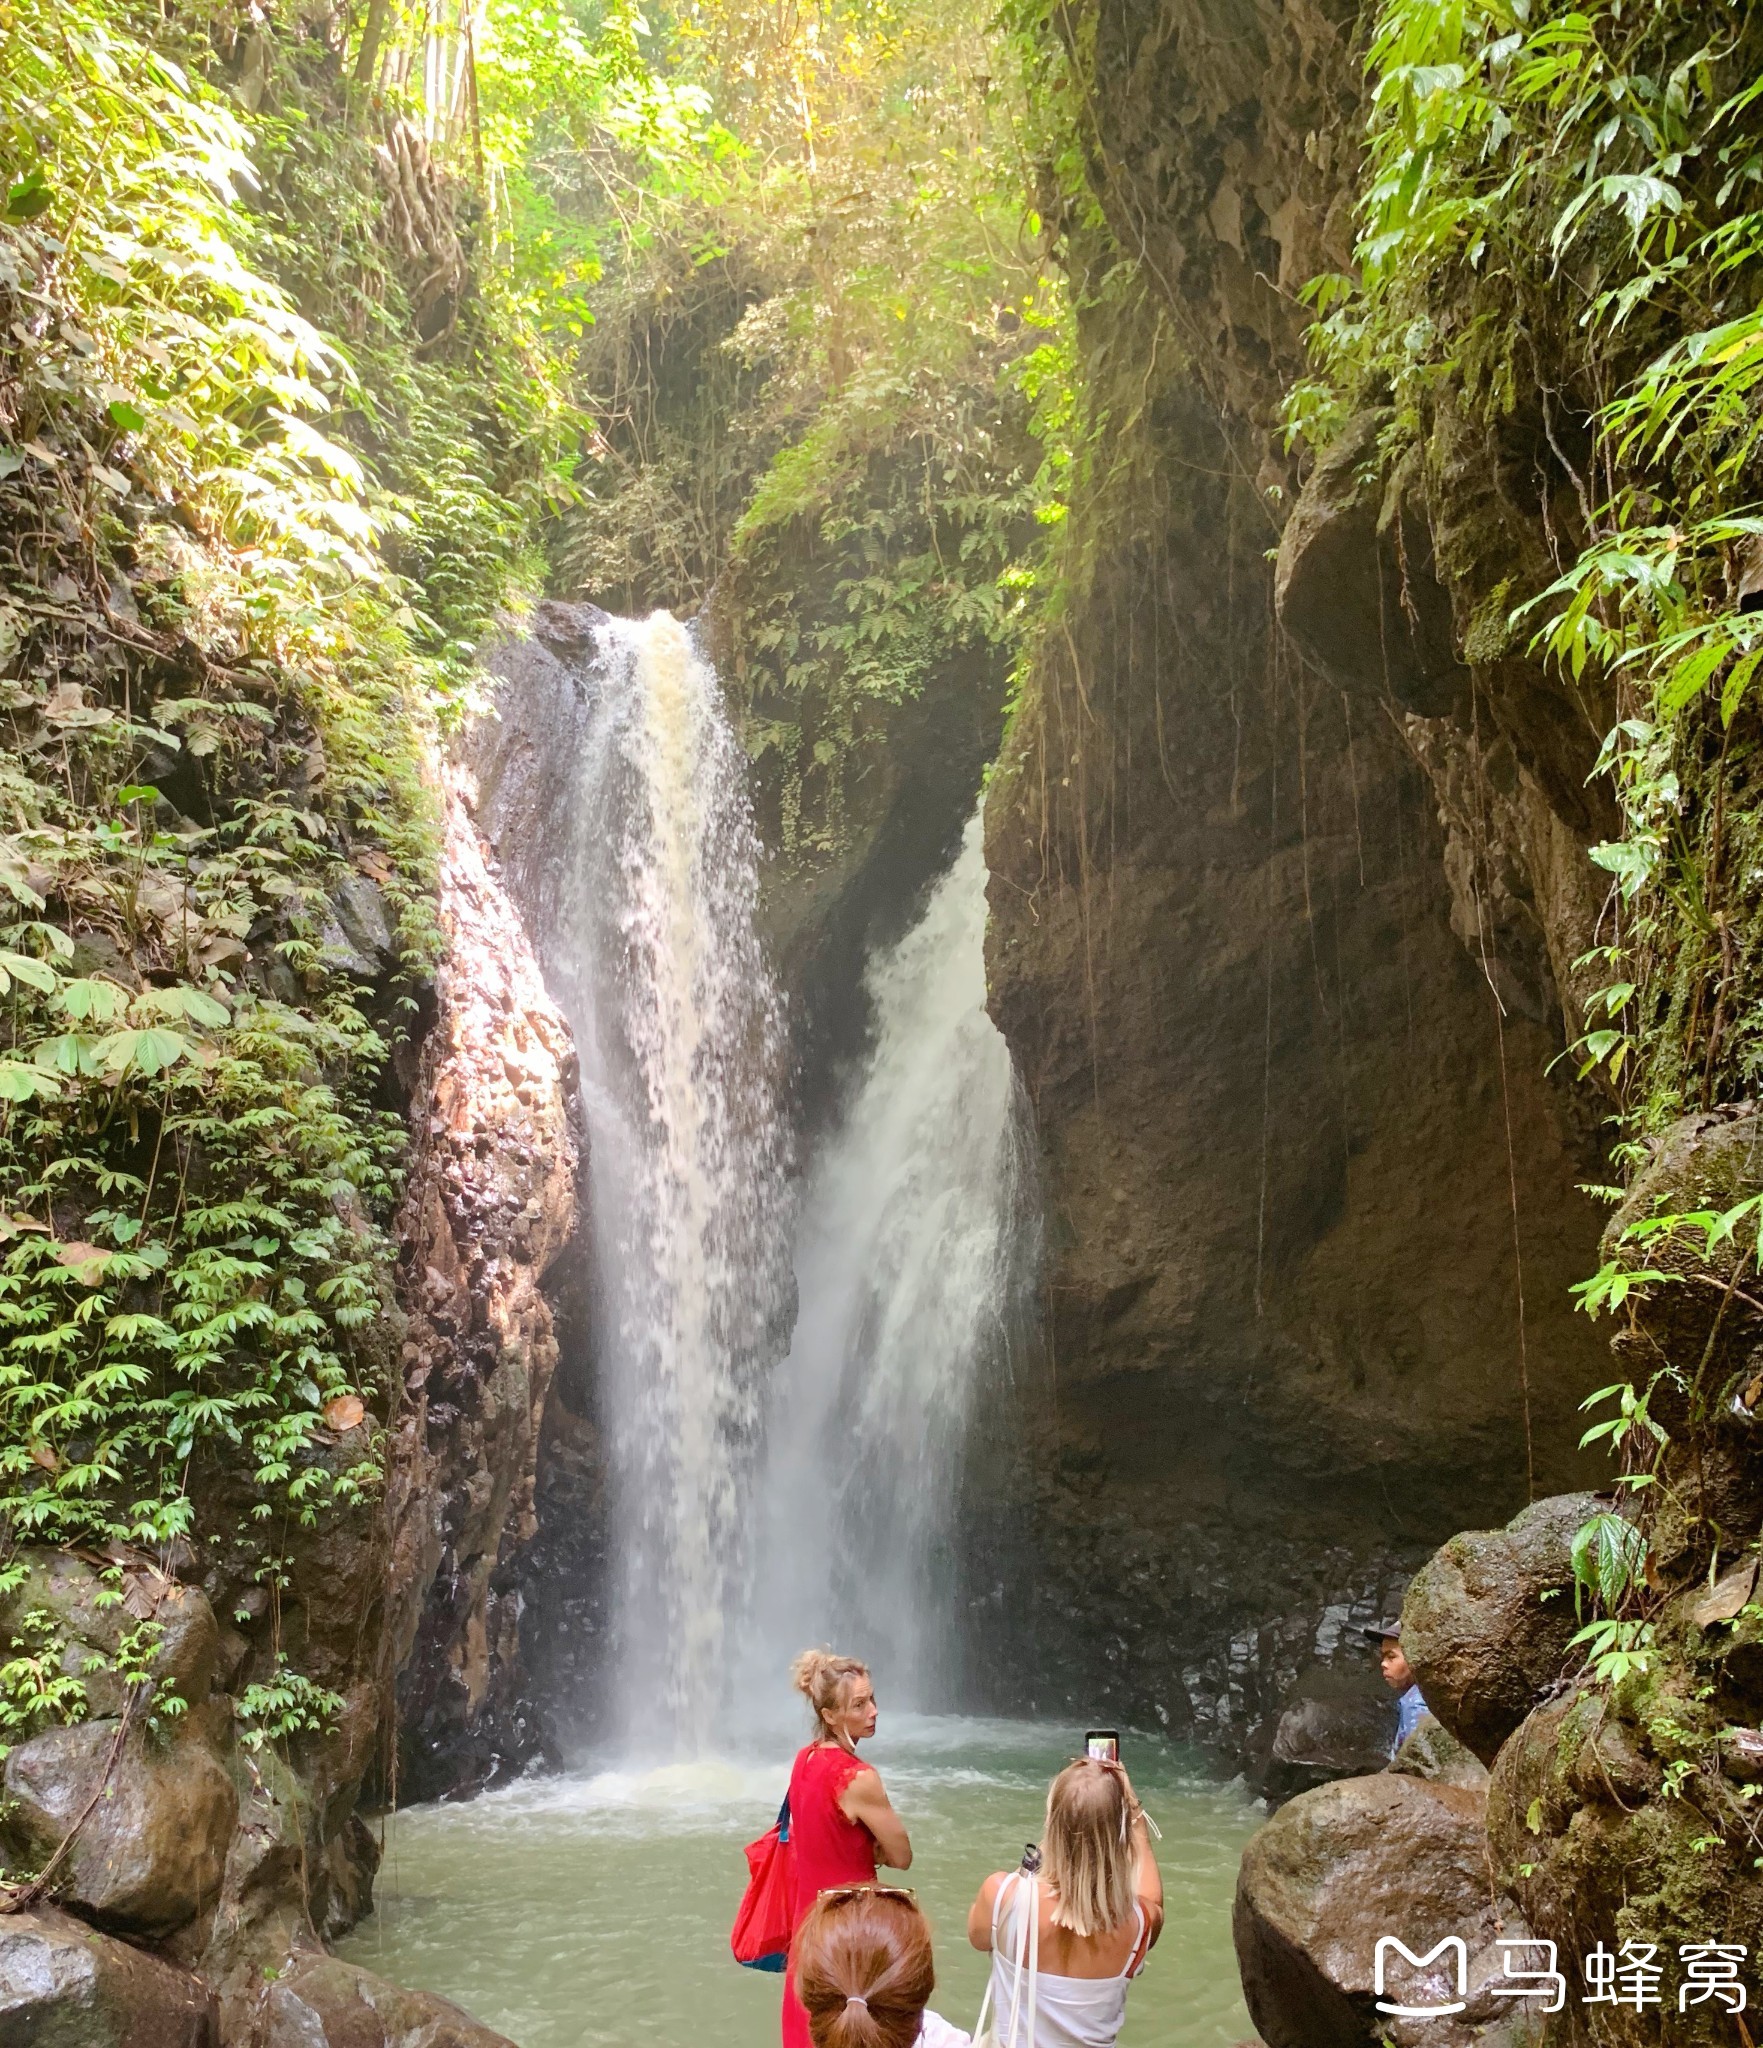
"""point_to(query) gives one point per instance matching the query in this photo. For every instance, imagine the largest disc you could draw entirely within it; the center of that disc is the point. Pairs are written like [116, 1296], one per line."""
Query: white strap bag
[1026, 1967]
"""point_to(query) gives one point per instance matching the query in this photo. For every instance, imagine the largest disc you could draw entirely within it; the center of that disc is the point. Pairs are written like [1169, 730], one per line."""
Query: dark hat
[1380, 1631]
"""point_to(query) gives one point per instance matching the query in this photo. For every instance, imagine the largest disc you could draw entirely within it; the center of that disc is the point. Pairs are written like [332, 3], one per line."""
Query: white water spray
[679, 1031]
[913, 1252]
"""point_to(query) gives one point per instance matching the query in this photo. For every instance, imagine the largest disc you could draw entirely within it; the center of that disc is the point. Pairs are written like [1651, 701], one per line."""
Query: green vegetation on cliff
[326, 339]
[826, 372]
[1561, 223]
[277, 436]
[1562, 212]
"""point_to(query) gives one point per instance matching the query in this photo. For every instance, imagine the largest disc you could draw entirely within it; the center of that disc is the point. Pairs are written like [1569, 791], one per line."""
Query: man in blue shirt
[1398, 1675]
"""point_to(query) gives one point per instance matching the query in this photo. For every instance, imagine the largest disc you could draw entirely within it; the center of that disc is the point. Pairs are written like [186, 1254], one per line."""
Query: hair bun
[806, 1669]
[825, 1678]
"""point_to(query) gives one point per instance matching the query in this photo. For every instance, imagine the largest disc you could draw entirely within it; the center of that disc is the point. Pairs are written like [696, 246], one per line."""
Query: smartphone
[1103, 1745]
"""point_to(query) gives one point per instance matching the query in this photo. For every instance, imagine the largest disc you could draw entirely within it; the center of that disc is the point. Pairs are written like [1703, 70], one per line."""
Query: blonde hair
[863, 1970]
[1087, 1853]
[826, 1679]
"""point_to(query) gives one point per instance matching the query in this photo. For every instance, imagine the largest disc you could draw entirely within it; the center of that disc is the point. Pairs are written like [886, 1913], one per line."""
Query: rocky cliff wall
[1281, 912]
[200, 1817]
[490, 1206]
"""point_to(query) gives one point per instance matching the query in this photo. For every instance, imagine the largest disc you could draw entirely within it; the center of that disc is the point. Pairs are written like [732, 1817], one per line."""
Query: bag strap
[1141, 1946]
[979, 2025]
[985, 2004]
[1028, 1957]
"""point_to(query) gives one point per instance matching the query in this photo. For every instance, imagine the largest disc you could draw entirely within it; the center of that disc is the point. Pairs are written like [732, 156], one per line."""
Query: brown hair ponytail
[863, 1970]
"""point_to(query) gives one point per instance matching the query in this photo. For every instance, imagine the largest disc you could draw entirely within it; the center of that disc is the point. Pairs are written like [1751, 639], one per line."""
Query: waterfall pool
[592, 1910]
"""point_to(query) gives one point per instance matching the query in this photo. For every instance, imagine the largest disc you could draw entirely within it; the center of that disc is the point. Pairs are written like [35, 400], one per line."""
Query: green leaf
[184, 1001]
[29, 197]
[1609, 1555]
[1737, 682]
[95, 999]
[23, 1084]
[129, 417]
[37, 974]
[143, 1052]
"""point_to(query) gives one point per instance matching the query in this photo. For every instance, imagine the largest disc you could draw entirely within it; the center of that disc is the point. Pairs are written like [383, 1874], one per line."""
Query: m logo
[1388, 1945]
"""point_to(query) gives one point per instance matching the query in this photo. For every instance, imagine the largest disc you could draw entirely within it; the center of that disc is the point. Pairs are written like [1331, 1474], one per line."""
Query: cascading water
[592, 1910]
[915, 1243]
[679, 1031]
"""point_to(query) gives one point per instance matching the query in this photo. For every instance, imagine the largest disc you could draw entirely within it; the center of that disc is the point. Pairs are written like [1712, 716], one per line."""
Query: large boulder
[130, 1619]
[64, 1986]
[1321, 1739]
[1340, 1868]
[1487, 1620]
[322, 2003]
[154, 1819]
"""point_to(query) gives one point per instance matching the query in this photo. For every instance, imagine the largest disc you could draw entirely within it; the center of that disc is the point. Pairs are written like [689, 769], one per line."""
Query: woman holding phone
[1066, 1942]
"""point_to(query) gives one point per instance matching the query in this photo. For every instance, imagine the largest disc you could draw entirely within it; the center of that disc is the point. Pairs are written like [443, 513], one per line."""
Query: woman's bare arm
[979, 1914]
[863, 1799]
[1147, 1878]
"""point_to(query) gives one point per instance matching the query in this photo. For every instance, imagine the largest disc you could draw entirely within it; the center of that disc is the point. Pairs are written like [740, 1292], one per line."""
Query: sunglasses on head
[837, 1894]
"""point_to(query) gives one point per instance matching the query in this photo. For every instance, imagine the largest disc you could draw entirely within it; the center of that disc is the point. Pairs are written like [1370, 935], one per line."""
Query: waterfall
[914, 1246]
[679, 1031]
[764, 1490]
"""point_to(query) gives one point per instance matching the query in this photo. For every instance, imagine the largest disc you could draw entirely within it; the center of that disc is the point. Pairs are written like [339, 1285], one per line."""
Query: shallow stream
[592, 1910]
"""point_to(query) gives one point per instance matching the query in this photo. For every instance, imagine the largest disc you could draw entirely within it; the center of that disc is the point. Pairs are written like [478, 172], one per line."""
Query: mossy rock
[1487, 1620]
[80, 1606]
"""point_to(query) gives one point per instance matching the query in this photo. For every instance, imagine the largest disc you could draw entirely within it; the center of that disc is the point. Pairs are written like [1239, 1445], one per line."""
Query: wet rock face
[489, 1207]
[1356, 580]
[62, 1985]
[1487, 1620]
[1339, 1869]
[1248, 974]
[524, 754]
[156, 1816]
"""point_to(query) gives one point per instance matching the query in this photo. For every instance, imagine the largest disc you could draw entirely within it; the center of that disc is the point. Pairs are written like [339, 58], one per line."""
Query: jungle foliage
[1563, 206]
[326, 335]
[826, 375]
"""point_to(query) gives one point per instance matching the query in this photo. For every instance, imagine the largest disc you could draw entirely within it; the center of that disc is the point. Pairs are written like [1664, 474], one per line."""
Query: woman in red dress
[841, 1824]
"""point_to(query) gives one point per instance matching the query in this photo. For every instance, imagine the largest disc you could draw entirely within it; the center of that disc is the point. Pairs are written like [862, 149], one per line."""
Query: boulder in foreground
[64, 1986]
[152, 1843]
[1345, 1865]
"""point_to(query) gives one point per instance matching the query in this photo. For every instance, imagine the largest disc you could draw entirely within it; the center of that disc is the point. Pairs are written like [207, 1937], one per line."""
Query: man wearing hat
[1398, 1675]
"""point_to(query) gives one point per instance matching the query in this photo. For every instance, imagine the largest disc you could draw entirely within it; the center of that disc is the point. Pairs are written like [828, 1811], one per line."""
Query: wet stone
[63, 1985]
[154, 1821]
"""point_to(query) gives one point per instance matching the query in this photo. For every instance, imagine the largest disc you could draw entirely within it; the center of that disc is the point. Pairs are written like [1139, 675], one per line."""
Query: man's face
[1398, 1673]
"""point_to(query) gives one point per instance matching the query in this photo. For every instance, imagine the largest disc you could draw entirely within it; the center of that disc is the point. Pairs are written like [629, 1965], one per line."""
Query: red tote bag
[766, 1921]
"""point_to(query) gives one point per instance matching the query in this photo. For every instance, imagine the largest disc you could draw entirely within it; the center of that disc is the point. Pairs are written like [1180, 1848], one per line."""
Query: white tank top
[1070, 2012]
